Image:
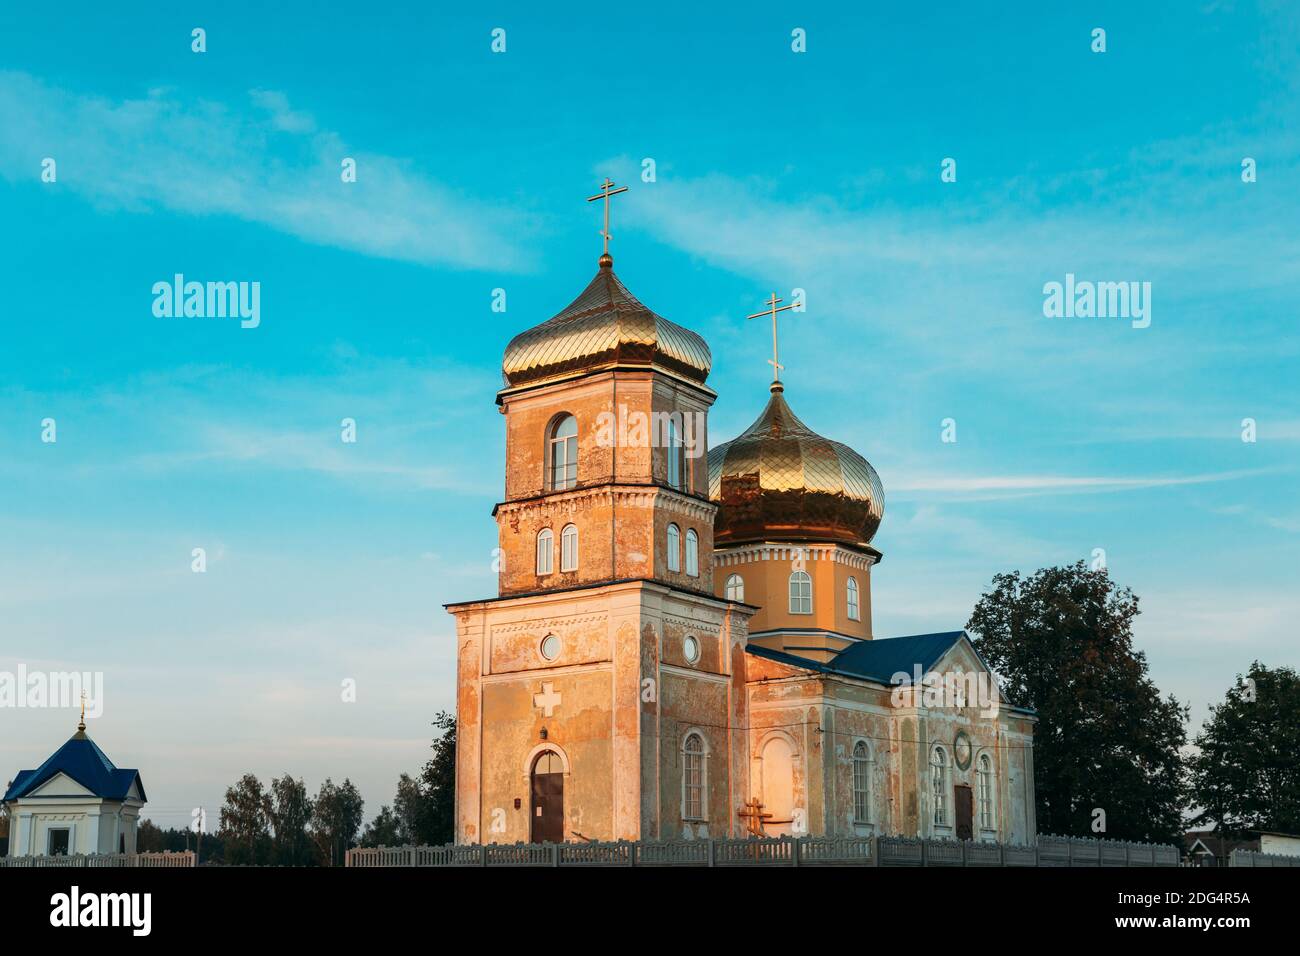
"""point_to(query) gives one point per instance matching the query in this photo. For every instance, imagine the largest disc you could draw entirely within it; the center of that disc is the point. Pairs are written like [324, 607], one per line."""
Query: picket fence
[183, 858]
[779, 851]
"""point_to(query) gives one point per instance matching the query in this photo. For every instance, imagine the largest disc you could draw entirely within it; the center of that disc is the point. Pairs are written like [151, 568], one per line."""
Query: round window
[691, 647]
[550, 647]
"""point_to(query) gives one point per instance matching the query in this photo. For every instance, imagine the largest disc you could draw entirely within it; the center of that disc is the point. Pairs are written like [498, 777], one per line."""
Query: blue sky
[775, 170]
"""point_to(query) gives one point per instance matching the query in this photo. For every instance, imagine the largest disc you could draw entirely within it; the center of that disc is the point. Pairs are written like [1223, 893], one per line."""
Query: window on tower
[855, 612]
[674, 451]
[569, 548]
[692, 553]
[735, 588]
[674, 548]
[545, 549]
[562, 450]
[800, 593]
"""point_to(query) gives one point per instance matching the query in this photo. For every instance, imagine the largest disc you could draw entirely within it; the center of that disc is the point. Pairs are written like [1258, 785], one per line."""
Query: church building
[681, 646]
[76, 802]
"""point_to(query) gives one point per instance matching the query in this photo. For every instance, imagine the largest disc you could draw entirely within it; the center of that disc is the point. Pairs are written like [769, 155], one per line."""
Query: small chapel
[681, 644]
[76, 802]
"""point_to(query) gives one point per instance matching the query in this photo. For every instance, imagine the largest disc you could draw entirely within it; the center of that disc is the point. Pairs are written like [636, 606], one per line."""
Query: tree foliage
[1246, 775]
[336, 820]
[245, 827]
[1061, 642]
[291, 812]
[424, 808]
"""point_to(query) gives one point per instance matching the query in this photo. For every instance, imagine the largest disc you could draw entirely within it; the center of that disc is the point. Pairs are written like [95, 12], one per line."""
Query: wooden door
[965, 804]
[547, 804]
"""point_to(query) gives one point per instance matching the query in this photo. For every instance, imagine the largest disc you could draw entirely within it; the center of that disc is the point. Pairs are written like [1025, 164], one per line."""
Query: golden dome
[604, 327]
[781, 481]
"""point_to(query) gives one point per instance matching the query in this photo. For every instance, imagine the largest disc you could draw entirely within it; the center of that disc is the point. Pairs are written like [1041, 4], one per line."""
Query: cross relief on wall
[548, 699]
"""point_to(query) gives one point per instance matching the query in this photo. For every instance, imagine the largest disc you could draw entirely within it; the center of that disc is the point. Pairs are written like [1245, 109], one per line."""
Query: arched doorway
[546, 813]
[778, 785]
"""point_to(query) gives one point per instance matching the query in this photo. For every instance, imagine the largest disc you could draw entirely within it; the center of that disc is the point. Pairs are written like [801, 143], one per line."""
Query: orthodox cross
[774, 361]
[606, 190]
[753, 815]
[82, 724]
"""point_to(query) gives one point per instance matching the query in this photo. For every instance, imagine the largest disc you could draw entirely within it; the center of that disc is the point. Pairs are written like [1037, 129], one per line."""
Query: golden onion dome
[781, 481]
[602, 328]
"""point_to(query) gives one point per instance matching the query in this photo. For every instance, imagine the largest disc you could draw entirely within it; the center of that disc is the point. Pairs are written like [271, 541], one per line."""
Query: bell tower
[605, 663]
[606, 435]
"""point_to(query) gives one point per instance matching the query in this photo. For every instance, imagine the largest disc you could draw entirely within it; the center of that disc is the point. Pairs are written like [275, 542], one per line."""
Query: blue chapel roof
[85, 763]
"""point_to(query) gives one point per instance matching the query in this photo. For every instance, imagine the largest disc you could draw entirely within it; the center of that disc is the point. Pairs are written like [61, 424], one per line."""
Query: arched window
[562, 453]
[855, 614]
[569, 548]
[984, 786]
[861, 782]
[545, 548]
[674, 452]
[939, 785]
[735, 588]
[800, 593]
[693, 774]
[692, 553]
[674, 548]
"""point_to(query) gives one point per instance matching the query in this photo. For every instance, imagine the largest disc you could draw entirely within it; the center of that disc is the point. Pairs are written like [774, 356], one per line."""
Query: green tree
[1246, 775]
[434, 823]
[246, 821]
[291, 811]
[1061, 642]
[384, 830]
[336, 819]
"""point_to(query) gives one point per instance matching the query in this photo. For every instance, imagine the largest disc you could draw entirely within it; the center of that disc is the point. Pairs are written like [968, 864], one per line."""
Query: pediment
[60, 785]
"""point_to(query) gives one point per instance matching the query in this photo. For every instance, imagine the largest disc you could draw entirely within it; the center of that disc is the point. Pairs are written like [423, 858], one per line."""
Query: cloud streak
[262, 162]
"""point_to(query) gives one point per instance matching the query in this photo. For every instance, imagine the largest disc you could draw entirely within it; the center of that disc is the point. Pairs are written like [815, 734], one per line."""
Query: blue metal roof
[85, 763]
[876, 660]
[880, 659]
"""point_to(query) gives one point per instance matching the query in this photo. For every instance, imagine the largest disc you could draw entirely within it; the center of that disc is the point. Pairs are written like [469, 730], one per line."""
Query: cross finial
[81, 725]
[606, 190]
[774, 361]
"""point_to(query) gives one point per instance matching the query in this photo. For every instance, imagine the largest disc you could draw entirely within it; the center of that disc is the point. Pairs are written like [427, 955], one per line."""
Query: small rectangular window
[57, 842]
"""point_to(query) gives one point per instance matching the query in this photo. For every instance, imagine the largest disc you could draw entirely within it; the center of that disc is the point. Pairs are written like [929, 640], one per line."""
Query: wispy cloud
[1026, 485]
[260, 161]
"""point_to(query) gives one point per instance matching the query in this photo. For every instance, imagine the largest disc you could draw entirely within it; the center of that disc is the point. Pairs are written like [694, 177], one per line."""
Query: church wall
[582, 734]
[616, 642]
[859, 713]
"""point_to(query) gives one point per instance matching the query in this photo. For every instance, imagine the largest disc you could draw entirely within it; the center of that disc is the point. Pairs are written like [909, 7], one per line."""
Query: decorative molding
[547, 623]
[582, 499]
[777, 551]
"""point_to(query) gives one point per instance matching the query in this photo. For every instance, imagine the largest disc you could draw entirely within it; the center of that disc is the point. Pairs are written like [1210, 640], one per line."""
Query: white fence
[782, 851]
[184, 858]
[1251, 858]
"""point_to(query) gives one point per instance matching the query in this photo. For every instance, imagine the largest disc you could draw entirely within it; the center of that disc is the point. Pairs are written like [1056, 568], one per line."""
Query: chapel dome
[604, 327]
[781, 481]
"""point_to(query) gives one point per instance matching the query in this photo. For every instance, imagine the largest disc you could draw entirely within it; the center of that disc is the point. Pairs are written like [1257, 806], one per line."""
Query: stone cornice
[785, 551]
[643, 496]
